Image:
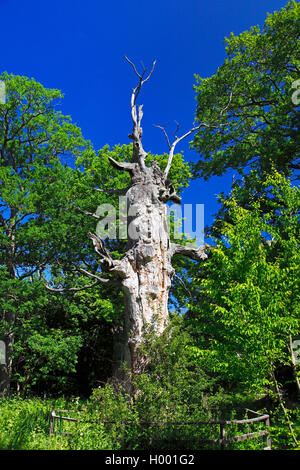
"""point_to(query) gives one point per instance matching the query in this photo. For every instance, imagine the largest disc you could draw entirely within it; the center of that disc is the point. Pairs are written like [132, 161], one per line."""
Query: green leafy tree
[63, 342]
[248, 106]
[34, 136]
[248, 294]
[47, 210]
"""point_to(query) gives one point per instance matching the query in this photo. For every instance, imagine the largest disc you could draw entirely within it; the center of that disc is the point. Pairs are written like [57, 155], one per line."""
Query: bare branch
[197, 253]
[177, 129]
[136, 90]
[146, 79]
[133, 66]
[90, 214]
[113, 190]
[172, 147]
[71, 289]
[121, 165]
[184, 285]
[139, 75]
[166, 135]
[195, 128]
[101, 250]
[179, 139]
[115, 267]
[139, 154]
[87, 273]
[228, 104]
[98, 280]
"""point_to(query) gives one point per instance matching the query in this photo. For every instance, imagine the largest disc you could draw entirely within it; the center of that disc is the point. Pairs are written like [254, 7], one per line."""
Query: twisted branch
[138, 152]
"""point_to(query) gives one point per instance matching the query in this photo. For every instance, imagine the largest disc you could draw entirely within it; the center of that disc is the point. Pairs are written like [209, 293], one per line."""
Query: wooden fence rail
[222, 441]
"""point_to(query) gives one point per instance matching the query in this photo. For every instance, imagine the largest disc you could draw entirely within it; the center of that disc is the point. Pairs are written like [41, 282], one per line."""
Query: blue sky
[78, 47]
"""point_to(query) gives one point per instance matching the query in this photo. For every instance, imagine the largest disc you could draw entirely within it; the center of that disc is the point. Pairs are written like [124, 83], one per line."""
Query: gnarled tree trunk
[145, 271]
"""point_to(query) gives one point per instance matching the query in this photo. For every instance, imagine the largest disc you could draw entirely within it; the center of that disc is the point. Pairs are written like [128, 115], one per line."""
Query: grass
[25, 424]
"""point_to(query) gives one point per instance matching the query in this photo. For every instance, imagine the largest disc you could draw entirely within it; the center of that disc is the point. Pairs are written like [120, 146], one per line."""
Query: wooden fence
[222, 441]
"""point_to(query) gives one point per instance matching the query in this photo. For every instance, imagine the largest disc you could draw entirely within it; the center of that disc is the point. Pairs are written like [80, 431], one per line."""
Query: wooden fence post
[269, 442]
[52, 422]
[222, 436]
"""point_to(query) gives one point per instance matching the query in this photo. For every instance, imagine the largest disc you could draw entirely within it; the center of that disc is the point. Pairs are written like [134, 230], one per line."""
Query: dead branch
[228, 104]
[194, 129]
[166, 135]
[183, 284]
[77, 269]
[139, 154]
[142, 80]
[90, 214]
[196, 253]
[101, 250]
[141, 77]
[177, 129]
[178, 139]
[115, 267]
[120, 191]
[71, 289]
[125, 166]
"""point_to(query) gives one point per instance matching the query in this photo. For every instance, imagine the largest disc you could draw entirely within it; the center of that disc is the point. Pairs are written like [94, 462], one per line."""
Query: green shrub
[172, 388]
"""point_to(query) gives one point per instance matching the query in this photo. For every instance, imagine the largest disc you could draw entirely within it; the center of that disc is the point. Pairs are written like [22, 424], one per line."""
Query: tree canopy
[253, 122]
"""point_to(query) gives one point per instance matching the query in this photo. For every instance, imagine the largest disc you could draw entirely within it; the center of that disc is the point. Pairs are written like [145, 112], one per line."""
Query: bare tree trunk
[6, 368]
[145, 270]
[282, 406]
[8, 316]
[147, 265]
[294, 364]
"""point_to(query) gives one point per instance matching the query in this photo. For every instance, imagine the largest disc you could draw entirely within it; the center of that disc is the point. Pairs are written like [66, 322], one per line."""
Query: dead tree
[145, 271]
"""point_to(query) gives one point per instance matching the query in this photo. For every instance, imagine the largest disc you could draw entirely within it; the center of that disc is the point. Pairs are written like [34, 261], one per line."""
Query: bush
[25, 423]
[172, 388]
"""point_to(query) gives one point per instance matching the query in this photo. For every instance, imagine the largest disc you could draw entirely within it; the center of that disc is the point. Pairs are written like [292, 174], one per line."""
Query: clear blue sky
[77, 46]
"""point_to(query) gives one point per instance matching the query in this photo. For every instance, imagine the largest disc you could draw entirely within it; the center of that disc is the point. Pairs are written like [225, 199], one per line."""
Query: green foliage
[24, 424]
[249, 291]
[43, 232]
[281, 435]
[34, 185]
[173, 385]
[248, 101]
[172, 388]
[63, 344]
[232, 346]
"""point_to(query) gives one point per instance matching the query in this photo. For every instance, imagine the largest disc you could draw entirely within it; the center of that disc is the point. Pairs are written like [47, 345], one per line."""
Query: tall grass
[24, 424]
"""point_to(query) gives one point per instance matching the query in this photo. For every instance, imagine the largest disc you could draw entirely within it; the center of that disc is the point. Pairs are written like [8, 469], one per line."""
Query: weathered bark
[282, 405]
[145, 271]
[9, 316]
[294, 364]
[6, 368]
